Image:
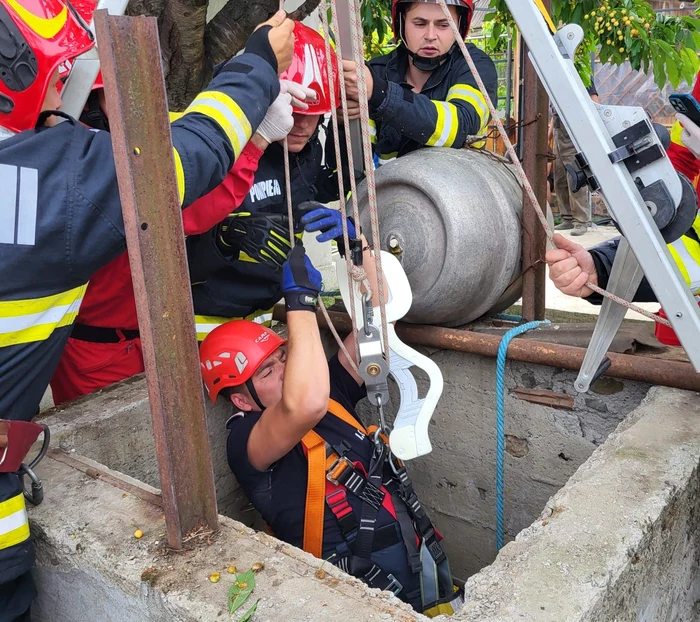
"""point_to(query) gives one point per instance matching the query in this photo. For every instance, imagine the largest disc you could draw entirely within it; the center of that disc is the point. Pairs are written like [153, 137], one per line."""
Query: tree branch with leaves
[621, 30]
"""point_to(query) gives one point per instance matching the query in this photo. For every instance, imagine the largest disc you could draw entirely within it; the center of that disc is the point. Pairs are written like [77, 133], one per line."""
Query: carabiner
[36, 496]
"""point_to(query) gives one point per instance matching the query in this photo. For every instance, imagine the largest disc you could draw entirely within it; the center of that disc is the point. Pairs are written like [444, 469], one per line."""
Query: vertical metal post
[143, 154]
[509, 80]
[533, 139]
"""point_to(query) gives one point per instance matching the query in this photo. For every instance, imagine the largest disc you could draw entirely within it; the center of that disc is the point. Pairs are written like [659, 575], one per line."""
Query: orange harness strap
[315, 449]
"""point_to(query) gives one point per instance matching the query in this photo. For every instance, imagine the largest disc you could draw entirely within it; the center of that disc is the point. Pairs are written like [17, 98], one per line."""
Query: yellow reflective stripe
[686, 254]
[679, 262]
[27, 321]
[227, 113]
[174, 116]
[545, 14]
[180, 175]
[445, 127]
[206, 323]
[45, 27]
[372, 131]
[14, 525]
[472, 96]
[676, 132]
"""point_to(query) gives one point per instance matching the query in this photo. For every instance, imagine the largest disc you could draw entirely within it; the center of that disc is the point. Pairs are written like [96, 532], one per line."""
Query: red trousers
[86, 367]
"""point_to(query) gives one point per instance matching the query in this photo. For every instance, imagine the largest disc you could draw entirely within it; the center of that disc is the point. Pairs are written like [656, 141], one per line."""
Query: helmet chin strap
[254, 394]
[424, 63]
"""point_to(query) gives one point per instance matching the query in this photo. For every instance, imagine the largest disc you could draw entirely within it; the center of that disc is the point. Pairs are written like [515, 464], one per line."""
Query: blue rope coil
[501, 423]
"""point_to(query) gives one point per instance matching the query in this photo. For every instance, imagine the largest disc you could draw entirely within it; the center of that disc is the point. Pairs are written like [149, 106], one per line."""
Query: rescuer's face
[426, 31]
[304, 127]
[267, 380]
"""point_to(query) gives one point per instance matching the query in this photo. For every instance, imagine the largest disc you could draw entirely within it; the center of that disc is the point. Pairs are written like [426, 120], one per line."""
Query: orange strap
[315, 448]
[339, 411]
[315, 493]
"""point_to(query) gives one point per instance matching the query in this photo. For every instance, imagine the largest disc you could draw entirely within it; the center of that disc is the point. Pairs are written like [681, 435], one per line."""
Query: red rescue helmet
[309, 68]
[233, 352]
[465, 10]
[36, 36]
[86, 9]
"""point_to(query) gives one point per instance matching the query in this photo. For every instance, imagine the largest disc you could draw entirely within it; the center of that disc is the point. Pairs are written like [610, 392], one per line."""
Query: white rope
[339, 163]
[359, 58]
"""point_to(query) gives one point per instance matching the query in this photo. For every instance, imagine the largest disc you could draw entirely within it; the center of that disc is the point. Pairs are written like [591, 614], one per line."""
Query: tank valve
[394, 246]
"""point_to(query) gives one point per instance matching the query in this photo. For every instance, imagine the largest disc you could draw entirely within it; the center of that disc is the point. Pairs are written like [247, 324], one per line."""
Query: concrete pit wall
[618, 543]
[456, 482]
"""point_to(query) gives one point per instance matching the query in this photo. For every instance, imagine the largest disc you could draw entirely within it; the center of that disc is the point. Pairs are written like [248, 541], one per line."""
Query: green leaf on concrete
[249, 614]
[240, 591]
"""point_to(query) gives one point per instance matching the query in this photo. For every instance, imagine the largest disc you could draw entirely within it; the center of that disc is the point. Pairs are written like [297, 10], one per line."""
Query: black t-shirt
[279, 493]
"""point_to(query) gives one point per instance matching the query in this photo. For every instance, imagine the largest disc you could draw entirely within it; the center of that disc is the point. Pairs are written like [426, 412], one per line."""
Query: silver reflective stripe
[18, 204]
[205, 328]
[13, 521]
[53, 315]
[447, 127]
[28, 203]
[8, 203]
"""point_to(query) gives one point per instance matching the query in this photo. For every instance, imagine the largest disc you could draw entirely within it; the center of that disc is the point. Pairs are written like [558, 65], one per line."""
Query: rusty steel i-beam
[143, 155]
[535, 107]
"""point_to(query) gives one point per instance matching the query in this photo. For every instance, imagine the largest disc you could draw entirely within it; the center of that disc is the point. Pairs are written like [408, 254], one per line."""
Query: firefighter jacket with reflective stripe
[60, 217]
[685, 252]
[449, 108]
[109, 300]
[682, 158]
[228, 288]
[16, 550]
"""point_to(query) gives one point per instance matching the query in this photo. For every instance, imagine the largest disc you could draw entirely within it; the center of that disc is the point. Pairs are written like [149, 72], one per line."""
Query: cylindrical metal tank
[452, 217]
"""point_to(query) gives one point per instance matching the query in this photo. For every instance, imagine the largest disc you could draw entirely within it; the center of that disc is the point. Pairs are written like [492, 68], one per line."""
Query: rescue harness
[332, 475]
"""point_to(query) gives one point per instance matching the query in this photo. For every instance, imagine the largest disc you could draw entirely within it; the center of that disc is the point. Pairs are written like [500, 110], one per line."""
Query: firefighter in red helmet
[61, 218]
[236, 268]
[320, 479]
[423, 94]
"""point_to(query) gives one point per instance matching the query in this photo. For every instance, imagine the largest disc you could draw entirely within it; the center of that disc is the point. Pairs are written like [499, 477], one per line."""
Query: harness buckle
[336, 470]
[433, 546]
[394, 586]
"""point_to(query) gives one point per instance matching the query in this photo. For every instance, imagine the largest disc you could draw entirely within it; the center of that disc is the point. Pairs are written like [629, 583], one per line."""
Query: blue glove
[329, 222]
[301, 282]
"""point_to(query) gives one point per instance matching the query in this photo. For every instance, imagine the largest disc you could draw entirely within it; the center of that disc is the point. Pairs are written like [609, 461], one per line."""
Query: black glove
[259, 44]
[263, 237]
[301, 282]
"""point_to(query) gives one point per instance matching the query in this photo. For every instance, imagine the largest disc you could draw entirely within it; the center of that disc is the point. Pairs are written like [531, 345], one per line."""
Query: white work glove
[300, 94]
[278, 121]
[690, 136]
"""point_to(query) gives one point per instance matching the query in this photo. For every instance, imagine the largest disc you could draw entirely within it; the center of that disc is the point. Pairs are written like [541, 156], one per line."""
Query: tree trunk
[191, 47]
